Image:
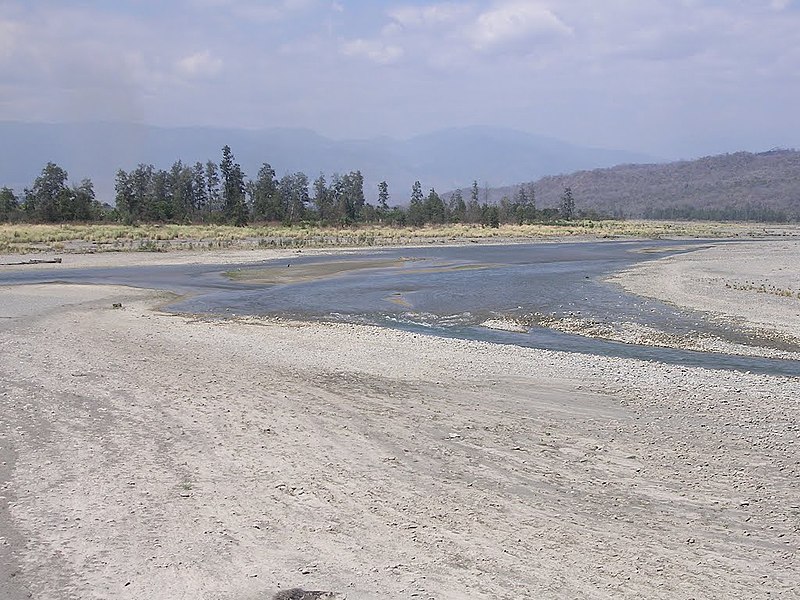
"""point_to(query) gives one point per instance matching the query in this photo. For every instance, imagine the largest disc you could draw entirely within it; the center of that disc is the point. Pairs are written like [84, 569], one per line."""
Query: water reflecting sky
[449, 291]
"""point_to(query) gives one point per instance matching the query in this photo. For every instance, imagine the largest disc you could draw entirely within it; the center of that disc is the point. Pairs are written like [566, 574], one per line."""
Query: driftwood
[34, 261]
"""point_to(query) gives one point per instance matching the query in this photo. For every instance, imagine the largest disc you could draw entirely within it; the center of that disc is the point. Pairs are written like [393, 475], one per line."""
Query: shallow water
[450, 291]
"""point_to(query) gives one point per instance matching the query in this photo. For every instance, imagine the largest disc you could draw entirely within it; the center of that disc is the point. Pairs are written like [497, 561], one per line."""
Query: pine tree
[434, 208]
[525, 207]
[264, 197]
[181, 191]
[199, 189]
[141, 185]
[383, 197]
[124, 199]
[322, 198]
[233, 189]
[293, 192]
[84, 206]
[567, 205]
[474, 213]
[416, 207]
[457, 207]
[48, 198]
[531, 216]
[213, 192]
[9, 204]
[348, 197]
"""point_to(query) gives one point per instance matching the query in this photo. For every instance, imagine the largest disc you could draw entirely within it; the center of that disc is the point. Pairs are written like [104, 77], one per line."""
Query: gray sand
[163, 457]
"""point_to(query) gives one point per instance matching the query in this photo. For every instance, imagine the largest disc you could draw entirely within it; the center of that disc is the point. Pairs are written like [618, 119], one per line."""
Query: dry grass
[18, 238]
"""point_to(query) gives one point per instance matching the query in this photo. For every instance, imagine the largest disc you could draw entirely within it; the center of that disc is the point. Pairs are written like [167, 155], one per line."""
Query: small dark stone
[300, 594]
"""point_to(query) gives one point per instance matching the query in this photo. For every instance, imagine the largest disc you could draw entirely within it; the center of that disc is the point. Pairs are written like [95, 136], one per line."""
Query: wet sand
[296, 273]
[147, 455]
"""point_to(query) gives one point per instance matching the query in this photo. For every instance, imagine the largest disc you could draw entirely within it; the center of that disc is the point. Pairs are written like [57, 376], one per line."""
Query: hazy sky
[673, 78]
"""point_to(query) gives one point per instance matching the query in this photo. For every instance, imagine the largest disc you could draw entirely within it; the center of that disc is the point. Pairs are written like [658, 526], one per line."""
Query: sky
[670, 78]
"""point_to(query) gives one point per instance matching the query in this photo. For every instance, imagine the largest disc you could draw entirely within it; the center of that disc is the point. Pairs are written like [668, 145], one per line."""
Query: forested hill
[741, 186]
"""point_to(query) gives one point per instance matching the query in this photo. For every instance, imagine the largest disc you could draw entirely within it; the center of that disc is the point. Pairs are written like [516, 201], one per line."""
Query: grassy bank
[23, 238]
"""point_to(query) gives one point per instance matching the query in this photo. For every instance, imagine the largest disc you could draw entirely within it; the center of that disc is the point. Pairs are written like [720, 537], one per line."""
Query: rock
[300, 594]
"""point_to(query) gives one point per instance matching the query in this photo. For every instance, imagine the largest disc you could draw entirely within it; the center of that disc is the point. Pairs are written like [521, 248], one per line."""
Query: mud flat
[147, 455]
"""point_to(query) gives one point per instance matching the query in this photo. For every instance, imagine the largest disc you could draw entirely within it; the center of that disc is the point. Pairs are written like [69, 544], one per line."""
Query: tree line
[51, 200]
[221, 193]
[747, 212]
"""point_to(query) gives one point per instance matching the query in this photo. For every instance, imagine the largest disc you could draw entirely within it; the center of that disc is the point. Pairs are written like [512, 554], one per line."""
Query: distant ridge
[443, 159]
[740, 186]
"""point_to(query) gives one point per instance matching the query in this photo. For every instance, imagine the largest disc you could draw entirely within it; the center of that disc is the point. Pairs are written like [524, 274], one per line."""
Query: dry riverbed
[146, 455]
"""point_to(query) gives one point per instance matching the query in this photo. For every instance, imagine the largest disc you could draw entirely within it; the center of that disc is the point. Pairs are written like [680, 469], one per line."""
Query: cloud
[265, 11]
[577, 69]
[276, 11]
[75, 63]
[373, 50]
[9, 33]
[458, 35]
[510, 23]
[659, 44]
[434, 15]
[254, 10]
[199, 64]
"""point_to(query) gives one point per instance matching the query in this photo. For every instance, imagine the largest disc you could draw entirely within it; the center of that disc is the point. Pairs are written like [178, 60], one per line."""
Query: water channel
[454, 291]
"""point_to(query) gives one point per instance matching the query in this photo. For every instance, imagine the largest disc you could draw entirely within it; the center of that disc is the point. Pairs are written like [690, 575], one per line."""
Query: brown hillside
[763, 186]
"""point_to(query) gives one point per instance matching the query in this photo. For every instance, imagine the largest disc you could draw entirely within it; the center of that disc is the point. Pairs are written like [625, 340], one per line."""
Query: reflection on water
[450, 291]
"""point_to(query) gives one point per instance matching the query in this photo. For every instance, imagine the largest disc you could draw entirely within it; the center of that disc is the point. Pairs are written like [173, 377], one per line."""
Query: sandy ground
[755, 284]
[146, 455]
[11, 262]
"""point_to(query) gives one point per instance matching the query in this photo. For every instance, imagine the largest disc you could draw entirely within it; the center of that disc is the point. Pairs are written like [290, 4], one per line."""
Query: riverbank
[147, 455]
[754, 285]
[79, 238]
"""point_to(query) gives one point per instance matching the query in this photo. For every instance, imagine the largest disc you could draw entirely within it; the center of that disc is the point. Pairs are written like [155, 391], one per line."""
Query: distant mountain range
[743, 186]
[444, 159]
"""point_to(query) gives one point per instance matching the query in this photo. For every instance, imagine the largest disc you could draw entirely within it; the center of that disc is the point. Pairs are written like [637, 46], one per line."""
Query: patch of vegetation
[763, 288]
[19, 238]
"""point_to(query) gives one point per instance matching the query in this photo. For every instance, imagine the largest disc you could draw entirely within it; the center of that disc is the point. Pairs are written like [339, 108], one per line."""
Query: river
[520, 294]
